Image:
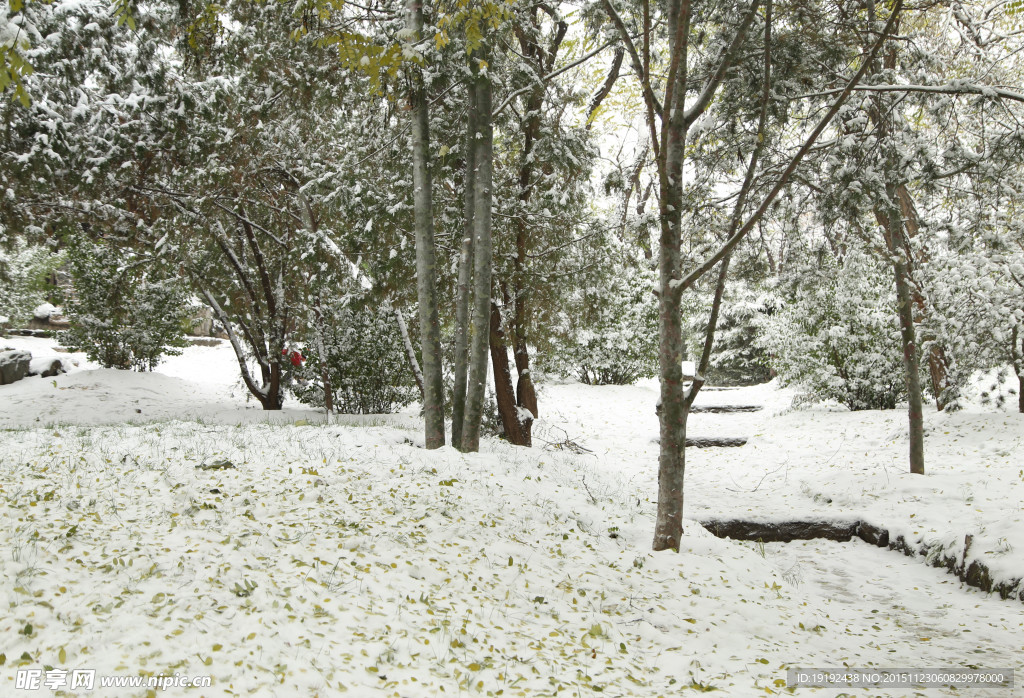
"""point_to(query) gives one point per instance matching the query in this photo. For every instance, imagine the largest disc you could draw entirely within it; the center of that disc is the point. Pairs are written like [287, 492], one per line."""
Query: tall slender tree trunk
[911, 362]
[893, 217]
[518, 403]
[462, 293]
[480, 329]
[938, 364]
[675, 117]
[426, 256]
[526, 393]
[672, 415]
[668, 526]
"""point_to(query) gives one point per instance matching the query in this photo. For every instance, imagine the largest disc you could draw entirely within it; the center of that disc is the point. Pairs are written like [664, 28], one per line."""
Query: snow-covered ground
[297, 559]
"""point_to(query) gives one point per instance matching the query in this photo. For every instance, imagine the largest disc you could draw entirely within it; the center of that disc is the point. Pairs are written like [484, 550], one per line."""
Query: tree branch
[606, 87]
[638, 65]
[957, 88]
[550, 76]
[867, 61]
[726, 61]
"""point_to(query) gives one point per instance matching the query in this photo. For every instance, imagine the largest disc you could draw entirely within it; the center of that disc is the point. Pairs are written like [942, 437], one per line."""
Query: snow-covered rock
[46, 367]
[14, 366]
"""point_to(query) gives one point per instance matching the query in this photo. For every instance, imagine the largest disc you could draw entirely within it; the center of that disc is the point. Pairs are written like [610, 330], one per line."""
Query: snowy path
[941, 623]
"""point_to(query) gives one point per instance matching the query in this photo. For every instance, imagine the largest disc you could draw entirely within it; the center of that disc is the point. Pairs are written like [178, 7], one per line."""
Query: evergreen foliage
[26, 273]
[125, 313]
[737, 357]
[837, 338]
[362, 353]
[607, 331]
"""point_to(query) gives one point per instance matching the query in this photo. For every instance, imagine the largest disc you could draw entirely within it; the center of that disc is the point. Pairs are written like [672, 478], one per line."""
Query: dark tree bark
[518, 403]
[426, 256]
[325, 374]
[504, 393]
[606, 87]
[265, 327]
[892, 230]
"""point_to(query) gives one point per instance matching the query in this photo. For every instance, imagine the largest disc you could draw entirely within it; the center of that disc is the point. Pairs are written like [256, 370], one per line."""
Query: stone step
[717, 409]
[715, 442]
[975, 574]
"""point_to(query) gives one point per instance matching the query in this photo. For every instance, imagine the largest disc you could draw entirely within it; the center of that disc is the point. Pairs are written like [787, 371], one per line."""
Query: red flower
[294, 356]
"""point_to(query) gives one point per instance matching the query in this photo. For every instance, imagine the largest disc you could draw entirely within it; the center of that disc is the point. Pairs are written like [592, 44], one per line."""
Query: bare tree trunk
[259, 392]
[526, 393]
[520, 403]
[668, 526]
[606, 87]
[480, 331]
[504, 393]
[709, 334]
[911, 362]
[426, 258]
[938, 371]
[938, 365]
[465, 278]
[894, 217]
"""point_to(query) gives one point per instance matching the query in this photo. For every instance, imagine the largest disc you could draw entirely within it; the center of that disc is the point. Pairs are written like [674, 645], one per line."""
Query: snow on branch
[953, 88]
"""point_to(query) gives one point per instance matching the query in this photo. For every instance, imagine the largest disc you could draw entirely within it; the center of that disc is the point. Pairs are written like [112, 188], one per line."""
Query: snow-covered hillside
[298, 559]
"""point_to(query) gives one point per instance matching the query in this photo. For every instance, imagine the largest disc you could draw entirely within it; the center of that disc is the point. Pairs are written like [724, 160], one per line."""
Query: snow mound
[44, 311]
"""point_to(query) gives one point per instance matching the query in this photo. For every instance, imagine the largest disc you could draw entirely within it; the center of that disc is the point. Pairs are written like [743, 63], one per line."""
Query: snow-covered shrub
[25, 280]
[838, 338]
[361, 351]
[976, 304]
[607, 333]
[125, 313]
